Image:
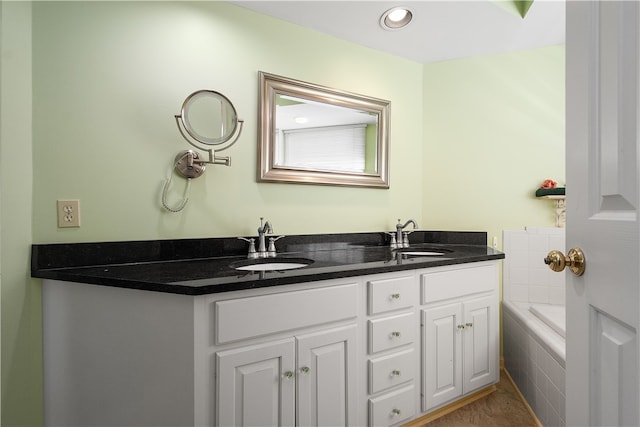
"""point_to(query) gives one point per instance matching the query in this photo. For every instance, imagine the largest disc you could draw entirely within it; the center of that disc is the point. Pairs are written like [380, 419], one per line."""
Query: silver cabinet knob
[305, 369]
[288, 375]
[395, 334]
[395, 412]
[395, 373]
[394, 297]
[469, 325]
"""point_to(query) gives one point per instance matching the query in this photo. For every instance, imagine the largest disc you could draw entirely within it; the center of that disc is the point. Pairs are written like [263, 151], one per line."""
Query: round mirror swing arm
[208, 118]
[202, 127]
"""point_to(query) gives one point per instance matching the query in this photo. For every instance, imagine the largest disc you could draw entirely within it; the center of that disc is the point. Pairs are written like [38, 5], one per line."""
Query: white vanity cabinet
[365, 350]
[392, 356]
[266, 384]
[460, 342]
[296, 370]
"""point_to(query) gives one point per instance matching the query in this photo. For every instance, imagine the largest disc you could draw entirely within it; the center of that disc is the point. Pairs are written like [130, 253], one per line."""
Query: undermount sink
[422, 252]
[271, 264]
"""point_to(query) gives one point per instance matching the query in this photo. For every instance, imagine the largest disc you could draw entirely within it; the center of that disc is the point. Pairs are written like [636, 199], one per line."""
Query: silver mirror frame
[224, 101]
[270, 86]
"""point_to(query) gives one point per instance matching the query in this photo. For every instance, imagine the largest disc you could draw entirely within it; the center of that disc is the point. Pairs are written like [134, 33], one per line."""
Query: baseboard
[520, 395]
[451, 407]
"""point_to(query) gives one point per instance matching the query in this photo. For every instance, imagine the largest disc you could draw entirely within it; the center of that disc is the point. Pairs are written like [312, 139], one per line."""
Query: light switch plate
[68, 213]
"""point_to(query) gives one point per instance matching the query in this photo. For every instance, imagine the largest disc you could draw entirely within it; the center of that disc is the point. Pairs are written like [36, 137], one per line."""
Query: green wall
[20, 295]
[493, 131]
[106, 90]
[93, 87]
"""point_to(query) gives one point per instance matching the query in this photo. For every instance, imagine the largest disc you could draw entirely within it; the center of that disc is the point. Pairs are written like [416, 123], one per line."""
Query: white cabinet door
[441, 347]
[460, 349]
[326, 377]
[480, 366]
[256, 385]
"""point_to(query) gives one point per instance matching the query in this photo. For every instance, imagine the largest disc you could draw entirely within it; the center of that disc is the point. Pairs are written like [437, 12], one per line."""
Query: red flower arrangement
[549, 183]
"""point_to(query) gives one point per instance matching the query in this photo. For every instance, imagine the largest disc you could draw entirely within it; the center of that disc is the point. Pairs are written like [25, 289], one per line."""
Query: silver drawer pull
[395, 334]
[395, 412]
[394, 296]
[395, 373]
[288, 375]
[469, 325]
[305, 369]
[460, 326]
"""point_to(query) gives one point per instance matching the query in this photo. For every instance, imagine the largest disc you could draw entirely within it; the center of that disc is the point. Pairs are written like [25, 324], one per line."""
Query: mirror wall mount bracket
[213, 159]
[188, 164]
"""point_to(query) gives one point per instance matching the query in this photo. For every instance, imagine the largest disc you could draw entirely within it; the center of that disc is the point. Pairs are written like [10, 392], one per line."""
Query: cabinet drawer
[243, 318]
[390, 332]
[388, 371]
[392, 407]
[447, 284]
[390, 294]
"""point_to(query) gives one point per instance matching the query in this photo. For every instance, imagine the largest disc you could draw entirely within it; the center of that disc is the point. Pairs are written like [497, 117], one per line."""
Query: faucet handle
[252, 247]
[271, 252]
[405, 239]
[392, 242]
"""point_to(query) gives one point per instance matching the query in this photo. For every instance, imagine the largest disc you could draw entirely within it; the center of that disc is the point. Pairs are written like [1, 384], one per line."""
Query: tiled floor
[501, 408]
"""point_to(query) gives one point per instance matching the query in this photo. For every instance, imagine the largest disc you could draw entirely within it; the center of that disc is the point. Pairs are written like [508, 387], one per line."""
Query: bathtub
[534, 353]
[554, 316]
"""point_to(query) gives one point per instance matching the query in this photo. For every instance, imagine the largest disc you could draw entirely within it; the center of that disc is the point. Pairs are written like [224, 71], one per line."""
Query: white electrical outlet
[68, 213]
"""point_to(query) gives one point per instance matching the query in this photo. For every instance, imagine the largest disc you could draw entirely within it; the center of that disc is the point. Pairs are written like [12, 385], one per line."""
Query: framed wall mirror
[310, 134]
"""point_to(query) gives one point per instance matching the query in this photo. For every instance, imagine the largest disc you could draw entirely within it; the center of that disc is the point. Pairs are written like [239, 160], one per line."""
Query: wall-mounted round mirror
[209, 117]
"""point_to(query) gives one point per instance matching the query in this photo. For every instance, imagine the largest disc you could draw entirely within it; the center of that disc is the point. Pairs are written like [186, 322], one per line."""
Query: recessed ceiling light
[396, 18]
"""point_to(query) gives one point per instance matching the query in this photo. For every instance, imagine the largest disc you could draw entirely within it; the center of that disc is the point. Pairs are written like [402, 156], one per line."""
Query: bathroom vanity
[167, 333]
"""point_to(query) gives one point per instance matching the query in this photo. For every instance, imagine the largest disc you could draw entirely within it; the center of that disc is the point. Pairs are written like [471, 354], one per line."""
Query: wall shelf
[559, 201]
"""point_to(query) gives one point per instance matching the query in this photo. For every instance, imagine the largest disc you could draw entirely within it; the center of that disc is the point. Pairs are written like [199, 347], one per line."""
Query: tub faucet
[262, 230]
[399, 227]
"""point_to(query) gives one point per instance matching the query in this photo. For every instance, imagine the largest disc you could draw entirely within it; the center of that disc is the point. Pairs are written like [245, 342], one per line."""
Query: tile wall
[529, 279]
[537, 369]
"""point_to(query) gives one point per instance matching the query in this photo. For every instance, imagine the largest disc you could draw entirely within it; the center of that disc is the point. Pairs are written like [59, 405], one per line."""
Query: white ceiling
[440, 30]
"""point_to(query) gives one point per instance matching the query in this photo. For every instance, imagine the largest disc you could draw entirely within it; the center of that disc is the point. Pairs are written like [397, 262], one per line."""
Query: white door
[602, 78]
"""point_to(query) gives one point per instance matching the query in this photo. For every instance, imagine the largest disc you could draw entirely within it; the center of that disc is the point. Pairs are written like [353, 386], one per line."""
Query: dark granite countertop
[202, 266]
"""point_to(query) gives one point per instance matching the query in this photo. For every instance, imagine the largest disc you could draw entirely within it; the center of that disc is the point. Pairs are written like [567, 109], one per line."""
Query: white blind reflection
[335, 148]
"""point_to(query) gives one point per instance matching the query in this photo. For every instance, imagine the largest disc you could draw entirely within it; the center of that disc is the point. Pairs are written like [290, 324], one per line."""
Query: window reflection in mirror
[316, 135]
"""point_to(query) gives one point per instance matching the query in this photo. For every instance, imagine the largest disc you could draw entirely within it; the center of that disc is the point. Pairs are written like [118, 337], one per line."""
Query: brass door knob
[574, 260]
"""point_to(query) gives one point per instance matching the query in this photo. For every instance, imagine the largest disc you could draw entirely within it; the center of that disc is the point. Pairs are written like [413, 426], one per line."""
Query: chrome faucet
[399, 238]
[262, 230]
